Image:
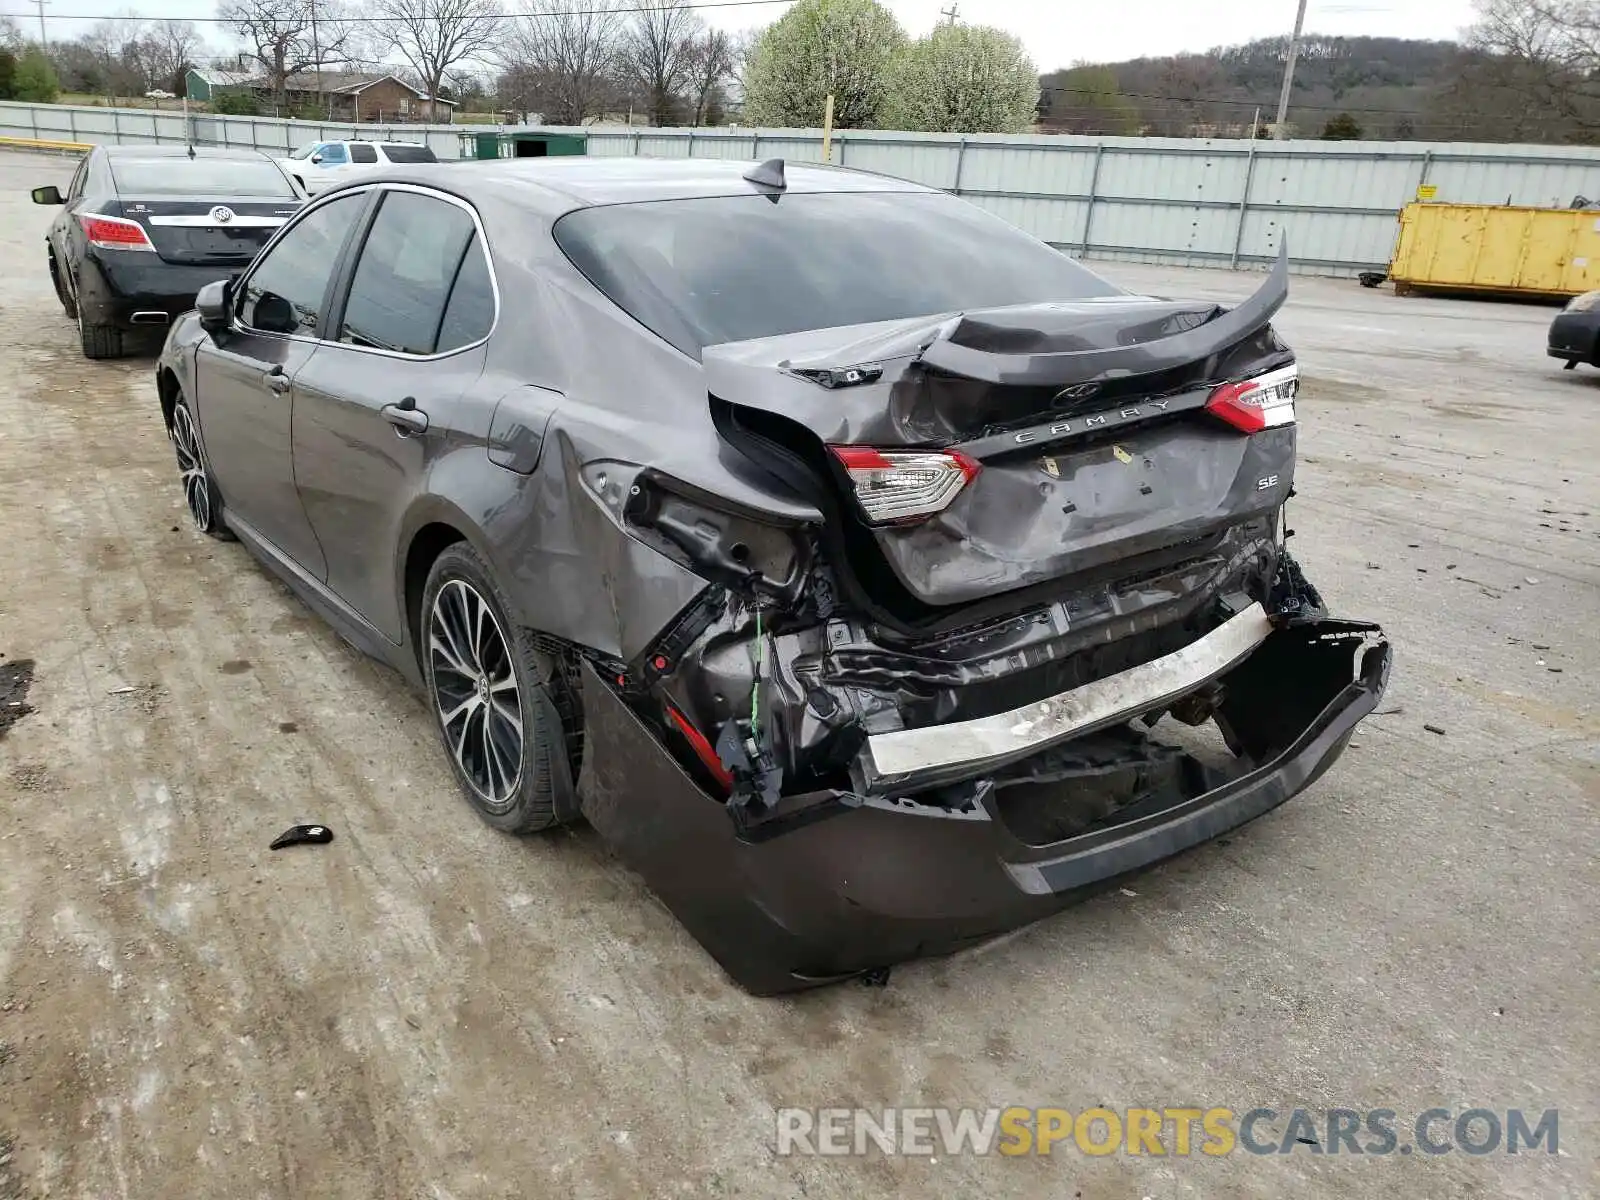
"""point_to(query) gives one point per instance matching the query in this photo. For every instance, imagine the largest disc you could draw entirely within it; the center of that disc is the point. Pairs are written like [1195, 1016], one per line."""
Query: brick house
[340, 95]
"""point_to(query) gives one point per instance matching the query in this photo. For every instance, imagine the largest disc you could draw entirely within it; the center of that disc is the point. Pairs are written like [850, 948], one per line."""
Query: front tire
[490, 691]
[200, 494]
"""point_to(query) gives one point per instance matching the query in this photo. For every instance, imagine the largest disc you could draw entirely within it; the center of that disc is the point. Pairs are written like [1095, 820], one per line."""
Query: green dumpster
[520, 144]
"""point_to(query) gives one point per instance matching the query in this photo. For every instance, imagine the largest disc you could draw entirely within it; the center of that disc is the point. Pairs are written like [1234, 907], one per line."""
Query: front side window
[724, 269]
[284, 293]
[333, 155]
[407, 268]
[362, 153]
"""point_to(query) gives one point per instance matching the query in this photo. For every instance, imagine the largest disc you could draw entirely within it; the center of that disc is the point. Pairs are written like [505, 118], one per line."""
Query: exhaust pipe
[148, 317]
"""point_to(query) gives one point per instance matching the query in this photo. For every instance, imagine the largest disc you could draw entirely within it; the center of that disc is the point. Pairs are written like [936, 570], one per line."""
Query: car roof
[556, 185]
[236, 153]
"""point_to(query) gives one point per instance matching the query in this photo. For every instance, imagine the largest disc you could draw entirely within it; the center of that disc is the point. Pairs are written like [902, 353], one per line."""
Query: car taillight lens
[905, 485]
[115, 233]
[1260, 403]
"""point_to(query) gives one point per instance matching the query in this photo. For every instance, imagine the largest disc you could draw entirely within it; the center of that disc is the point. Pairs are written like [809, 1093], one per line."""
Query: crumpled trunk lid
[1087, 418]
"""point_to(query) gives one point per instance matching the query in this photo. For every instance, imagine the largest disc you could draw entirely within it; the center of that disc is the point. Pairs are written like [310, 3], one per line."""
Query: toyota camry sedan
[853, 562]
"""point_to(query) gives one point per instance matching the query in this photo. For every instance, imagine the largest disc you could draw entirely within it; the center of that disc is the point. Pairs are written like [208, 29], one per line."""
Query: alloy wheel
[191, 468]
[475, 691]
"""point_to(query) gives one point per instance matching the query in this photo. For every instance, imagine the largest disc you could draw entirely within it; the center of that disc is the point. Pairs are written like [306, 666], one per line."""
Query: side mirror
[212, 304]
[48, 195]
[316, 158]
[274, 314]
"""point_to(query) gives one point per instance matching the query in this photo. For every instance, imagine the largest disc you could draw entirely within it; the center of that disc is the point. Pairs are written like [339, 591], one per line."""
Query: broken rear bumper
[849, 884]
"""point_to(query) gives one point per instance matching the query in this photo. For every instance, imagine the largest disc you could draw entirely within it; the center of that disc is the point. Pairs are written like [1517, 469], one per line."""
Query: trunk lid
[1085, 418]
[207, 232]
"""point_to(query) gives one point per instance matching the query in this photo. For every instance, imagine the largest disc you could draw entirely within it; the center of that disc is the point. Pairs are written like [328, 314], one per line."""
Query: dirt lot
[425, 1008]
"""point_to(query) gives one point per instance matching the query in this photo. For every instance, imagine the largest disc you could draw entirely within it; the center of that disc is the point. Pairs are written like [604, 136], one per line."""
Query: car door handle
[406, 416]
[277, 380]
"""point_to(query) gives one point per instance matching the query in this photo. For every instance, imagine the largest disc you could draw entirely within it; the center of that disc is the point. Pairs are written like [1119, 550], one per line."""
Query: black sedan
[143, 228]
[831, 546]
[1575, 333]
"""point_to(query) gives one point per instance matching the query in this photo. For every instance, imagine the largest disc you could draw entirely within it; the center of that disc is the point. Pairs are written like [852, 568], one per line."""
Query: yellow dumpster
[1493, 248]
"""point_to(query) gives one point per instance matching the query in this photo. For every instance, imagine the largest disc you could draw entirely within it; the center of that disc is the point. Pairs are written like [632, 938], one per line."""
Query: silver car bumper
[913, 757]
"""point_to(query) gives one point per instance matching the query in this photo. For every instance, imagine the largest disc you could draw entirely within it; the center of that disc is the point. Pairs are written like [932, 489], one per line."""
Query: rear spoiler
[1083, 366]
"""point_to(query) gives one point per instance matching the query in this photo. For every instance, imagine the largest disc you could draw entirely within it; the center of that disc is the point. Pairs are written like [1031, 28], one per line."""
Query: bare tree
[711, 63]
[167, 50]
[656, 54]
[558, 59]
[435, 35]
[290, 36]
[1540, 62]
[107, 57]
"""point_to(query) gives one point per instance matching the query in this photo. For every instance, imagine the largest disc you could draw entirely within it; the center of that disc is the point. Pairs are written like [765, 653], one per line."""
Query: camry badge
[222, 214]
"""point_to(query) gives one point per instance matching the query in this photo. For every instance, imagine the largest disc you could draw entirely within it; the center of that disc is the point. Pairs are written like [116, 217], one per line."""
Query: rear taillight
[1260, 403]
[905, 485]
[114, 233]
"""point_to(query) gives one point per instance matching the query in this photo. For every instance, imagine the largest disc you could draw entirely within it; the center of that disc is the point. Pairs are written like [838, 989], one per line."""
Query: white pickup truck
[319, 165]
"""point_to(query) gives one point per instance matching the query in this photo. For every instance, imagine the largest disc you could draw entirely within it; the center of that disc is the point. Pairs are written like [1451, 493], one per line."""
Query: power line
[570, 12]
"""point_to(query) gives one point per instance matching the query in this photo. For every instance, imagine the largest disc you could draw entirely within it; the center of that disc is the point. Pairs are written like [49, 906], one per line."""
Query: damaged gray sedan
[838, 551]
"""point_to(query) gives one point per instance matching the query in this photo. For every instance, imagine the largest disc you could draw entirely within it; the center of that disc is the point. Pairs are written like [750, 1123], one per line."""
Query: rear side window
[723, 269]
[363, 154]
[407, 268]
[409, 154]
[469, 315]
[284, 293]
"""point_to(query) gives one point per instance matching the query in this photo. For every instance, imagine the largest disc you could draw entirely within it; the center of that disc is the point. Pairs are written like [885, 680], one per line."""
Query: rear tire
[68, 304]
[490, 691]
[98, 341]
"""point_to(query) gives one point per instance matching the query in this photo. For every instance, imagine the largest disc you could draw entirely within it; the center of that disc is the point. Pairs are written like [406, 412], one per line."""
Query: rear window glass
[199, 177]
[362, 154]
[727, 268]
[409, 154]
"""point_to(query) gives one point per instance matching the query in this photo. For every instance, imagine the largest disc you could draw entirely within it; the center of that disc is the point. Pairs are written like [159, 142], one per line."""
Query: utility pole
[1288, 71]
[950, 13]
[316, 64]
[44, 38]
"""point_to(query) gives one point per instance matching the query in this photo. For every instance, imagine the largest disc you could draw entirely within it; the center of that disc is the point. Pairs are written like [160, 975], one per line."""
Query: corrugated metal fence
[1189, 202]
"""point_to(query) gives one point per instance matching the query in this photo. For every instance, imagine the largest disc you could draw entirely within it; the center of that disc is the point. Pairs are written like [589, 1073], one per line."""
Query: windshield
[306, 151]
[200, 177]
[409, 154]
[700, 272]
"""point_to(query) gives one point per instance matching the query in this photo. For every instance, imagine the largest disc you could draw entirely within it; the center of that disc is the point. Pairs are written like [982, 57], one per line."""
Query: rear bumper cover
[119, 283]
[867, 882]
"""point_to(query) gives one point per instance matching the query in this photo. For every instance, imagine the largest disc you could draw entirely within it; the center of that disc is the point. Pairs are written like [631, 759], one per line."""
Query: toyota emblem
[1078, 391]
[222, 214]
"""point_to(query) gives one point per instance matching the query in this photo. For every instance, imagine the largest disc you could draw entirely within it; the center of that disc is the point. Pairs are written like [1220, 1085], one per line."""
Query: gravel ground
[425, 1008]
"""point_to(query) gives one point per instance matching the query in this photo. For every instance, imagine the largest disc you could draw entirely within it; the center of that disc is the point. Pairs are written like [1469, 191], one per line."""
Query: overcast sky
[1055, 32]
